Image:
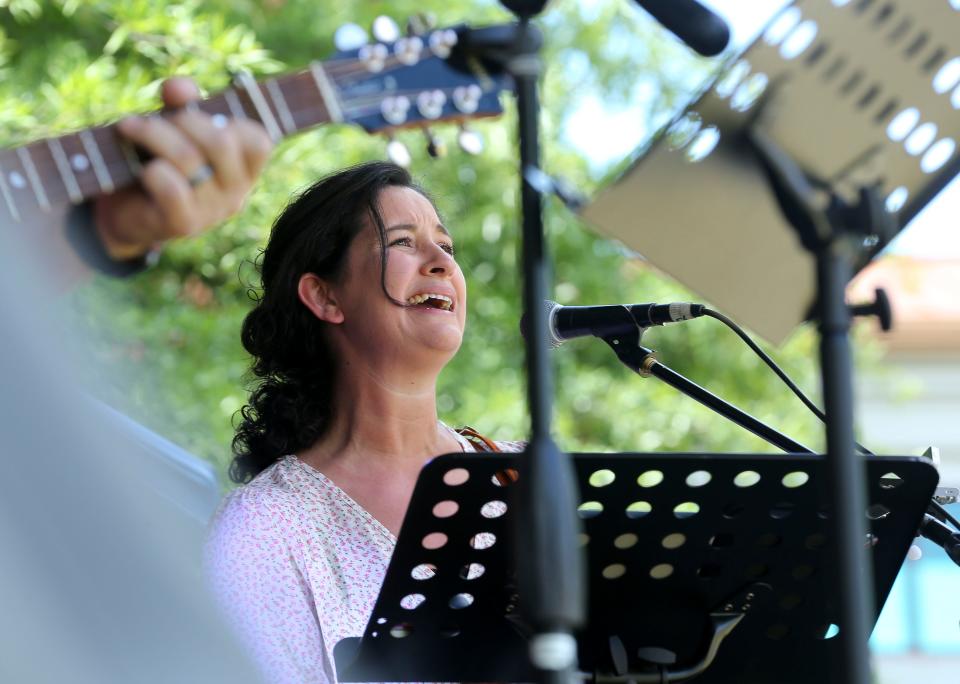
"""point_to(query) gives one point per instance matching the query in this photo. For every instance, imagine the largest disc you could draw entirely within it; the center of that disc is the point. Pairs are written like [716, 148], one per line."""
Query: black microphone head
[550, 308]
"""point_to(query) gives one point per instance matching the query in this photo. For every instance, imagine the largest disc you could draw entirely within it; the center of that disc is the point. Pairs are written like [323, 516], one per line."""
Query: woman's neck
[381, 422]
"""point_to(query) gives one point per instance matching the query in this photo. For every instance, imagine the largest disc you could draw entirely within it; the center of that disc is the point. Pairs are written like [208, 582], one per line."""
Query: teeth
[446, 303]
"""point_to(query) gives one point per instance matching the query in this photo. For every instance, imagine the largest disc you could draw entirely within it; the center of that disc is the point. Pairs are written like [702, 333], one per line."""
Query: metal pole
[853, 585]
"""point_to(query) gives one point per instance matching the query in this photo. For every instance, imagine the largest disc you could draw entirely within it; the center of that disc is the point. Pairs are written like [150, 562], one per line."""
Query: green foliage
[168, 341]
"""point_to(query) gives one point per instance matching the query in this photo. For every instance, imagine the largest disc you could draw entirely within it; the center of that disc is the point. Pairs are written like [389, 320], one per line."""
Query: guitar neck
[76, 167]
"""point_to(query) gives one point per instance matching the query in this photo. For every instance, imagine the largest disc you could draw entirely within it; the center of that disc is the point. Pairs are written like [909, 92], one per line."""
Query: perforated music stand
[688, 554]
[856, 93]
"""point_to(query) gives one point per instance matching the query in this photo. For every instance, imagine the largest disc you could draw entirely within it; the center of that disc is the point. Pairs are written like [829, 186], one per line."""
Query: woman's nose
[439, 263]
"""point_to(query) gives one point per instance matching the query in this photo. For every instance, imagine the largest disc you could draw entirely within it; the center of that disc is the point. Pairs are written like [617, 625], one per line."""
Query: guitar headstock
[415, 81]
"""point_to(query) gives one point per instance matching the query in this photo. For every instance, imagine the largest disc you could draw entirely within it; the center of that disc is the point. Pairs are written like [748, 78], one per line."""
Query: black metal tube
[548, 558]
[853, 583]
[725, 409]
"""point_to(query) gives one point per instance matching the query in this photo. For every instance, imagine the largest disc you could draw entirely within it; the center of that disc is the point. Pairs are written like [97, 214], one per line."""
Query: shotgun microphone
[567, 322]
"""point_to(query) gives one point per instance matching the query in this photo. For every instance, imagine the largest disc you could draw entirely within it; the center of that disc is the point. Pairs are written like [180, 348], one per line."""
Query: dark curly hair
[292, 404]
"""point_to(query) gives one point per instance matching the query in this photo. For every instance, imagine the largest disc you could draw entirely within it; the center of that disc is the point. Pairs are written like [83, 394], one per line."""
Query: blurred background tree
[167, 342]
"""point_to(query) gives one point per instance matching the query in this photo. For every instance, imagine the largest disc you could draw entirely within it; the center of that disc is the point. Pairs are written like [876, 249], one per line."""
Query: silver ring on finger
[200, 176]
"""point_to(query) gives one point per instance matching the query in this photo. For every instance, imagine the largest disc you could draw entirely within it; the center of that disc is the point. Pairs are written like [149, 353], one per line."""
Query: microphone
[692, 23]
[567, 322]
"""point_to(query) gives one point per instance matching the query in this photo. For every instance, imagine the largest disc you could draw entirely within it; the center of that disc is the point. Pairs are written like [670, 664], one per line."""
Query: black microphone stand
[549, 560]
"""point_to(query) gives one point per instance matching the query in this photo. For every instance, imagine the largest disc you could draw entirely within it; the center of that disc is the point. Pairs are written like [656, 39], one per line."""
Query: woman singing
[362, 306]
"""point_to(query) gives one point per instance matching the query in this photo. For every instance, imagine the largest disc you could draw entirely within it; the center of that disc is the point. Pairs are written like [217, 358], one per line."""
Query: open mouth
[431, 300]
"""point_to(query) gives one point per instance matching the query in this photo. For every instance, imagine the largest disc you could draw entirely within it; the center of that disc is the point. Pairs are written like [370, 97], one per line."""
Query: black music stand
[709, 566]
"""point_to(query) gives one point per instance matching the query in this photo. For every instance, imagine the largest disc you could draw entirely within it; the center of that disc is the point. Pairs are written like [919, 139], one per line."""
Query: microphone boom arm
[643, 361]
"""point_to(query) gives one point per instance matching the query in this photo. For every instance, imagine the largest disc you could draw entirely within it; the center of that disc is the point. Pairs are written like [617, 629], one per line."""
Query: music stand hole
[583, 538]
[877, 512]
[650, 478]
[721, 541]
[674, 540]
[381, 621]
[424, 571]
[747, 478]
[703, 144]
[626, 541]
[483, 540]
[685, 510]
[782, 510]
[505, 478]
[698, 478]
[589, 509]
[661, 571]
[450, 631]
[434, 541]
[614, 571]
[445, 509]
[461, 601]
[749, 92]
[638, 509]
[948, 77]
[411, 601]
[828, 631]
[709, 571]
[732, 510]
[777, 631]
[602, 478]
[493, 509]
[456, 477]
[756, 571]
[785, 22]
[937, 155]
[799, 40]
[797, 478]
[815, 541]
[790, 601]
[769, 540]
[399, 631]
[802, 572]
[681, 132]
[890, 481]
[472, 571]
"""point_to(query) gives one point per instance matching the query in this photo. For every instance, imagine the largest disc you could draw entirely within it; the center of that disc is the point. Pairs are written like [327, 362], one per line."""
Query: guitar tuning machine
[385, 29]
[398, 153]
[349, 37]
[373, 56]
[469, 140]
[420, 23]
[442, 42]
[408, 50]
[436, 148]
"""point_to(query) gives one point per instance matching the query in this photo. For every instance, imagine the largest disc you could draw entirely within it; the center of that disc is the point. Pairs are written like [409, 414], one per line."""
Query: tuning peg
[398, 153]
[470, 141]
[385, 29]
[435, 146]
[349, 37]
[442, 42]
[408, 50]
[421, 22]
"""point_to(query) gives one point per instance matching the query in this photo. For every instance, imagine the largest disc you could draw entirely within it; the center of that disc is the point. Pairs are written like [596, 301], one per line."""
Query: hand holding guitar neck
[174, 173]
[200, 173]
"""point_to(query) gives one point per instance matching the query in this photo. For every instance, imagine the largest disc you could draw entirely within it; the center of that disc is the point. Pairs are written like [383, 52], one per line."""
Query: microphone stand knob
[880, 307]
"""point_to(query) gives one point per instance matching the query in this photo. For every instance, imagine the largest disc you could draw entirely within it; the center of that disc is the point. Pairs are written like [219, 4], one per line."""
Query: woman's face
[421, 271]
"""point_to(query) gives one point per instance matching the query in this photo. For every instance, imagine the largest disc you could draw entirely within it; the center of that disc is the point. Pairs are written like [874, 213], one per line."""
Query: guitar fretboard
[78, 166]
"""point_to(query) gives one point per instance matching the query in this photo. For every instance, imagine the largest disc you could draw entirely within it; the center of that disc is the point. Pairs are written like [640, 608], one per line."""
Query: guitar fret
[66, 173]
[234, 104]
[327, 93]
[250, 86]
[130, 156]
[100, 169]
[286, 118]
[38, 190]
[7, 197]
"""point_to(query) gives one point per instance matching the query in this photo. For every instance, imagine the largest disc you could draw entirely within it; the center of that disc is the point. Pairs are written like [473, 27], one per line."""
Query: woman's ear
[318, 296]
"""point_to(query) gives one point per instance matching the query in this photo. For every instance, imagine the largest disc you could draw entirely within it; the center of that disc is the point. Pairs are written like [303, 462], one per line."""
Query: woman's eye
[402, 242]
[448, 248]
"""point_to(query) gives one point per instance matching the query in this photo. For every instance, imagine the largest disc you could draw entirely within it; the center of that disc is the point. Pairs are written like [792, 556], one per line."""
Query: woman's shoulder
[258, 503]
